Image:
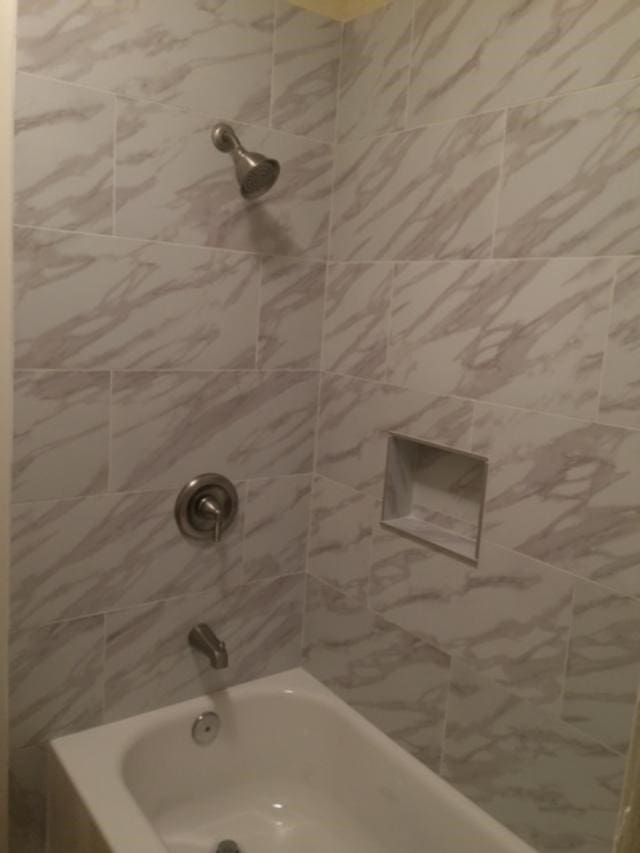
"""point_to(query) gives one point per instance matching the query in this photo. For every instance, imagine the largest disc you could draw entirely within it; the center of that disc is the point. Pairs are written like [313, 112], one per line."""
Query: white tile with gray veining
[212, 56]
[101, 302]
[306, 62]
[27, 799]
[547, 782]
[422, 194]
[356, 315]
[149, 662]
[620, 402]
[290, 328]
[340, 537]
[60, 438]
[79, 557]
[167, 427]
[570, 176]
[396, 681]
[469, 57]
[524, 333]
[276, 522]
[374, 72]
[603, 669]
[563, 491]
[64, 150]
[55, 679]
[508, 617]
[173, 185]
[356, 415]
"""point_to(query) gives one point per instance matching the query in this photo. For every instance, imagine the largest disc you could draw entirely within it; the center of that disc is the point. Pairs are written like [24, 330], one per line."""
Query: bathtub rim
[93, 762]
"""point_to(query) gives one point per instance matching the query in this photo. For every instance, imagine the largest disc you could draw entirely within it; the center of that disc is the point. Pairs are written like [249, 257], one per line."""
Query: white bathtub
[293, 770]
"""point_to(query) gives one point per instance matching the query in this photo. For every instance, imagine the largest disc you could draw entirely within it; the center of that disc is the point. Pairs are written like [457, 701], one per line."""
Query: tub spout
[204, 640]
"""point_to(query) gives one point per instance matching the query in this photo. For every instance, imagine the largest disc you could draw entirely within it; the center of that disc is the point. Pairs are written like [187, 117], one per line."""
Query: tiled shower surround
[452, 252]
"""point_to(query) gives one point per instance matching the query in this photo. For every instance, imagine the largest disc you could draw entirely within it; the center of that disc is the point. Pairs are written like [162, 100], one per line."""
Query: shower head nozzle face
[259, 180]
[256, 174]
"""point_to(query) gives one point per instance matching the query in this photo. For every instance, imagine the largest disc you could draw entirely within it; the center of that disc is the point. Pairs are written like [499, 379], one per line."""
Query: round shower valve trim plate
[206, 507]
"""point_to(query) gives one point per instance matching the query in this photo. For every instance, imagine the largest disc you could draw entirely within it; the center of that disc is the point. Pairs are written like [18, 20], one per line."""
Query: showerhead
[256, 173]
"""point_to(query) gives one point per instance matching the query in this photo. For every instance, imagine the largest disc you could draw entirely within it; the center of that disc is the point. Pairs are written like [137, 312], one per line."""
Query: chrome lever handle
[206, 507]
[209, 508]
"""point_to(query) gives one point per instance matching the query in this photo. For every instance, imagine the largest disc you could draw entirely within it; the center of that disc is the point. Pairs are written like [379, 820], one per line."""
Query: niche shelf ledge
[435, 494]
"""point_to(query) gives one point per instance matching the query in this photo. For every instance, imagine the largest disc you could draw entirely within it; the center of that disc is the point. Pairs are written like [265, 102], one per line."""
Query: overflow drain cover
[227, 847]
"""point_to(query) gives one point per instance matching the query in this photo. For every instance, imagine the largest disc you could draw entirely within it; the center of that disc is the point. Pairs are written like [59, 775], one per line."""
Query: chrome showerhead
[256, 173]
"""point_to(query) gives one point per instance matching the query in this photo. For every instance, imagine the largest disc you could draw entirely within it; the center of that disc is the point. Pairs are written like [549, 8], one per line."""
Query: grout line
[387, 371]
[215, 372]
[110, 435]
[154, 602]
[630, 81]
[256, 354]
[273, 65]
[114, 166]
[567, 651]
[104, 667]
[172, 107]
[498, 189]
[244, 509]
[607, 339]
[474, 412]
[336, 124]
[409, 86]
[305, 258]
[512, 105]
[445, 718]
[166, 491]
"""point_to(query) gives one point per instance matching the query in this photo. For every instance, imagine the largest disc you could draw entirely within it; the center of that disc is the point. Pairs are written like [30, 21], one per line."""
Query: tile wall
[470, 171]
[163, 328]
[484, 292]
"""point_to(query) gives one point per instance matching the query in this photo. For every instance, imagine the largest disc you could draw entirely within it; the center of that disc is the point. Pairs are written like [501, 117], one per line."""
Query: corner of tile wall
[482, 294]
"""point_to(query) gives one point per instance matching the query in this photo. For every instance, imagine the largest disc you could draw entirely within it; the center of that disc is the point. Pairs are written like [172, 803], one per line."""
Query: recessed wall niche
[435, 493]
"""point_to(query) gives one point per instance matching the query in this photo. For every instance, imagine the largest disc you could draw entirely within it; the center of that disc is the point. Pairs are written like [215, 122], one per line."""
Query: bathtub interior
[293, 768]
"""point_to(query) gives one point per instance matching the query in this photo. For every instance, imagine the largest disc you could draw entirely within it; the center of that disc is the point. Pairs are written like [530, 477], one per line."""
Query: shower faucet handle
[206, 507]
[210, 508]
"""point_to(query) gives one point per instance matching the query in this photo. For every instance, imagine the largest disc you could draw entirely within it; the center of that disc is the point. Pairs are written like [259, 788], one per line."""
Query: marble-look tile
[524, 333]
[55, 679]
[620, 403]
[570, 176]
[565, 492]
[374, 72]
[393, 679]
[60, 441]
[508, 617]
[469, 57]
[356, 415]
[63, 156]
[275, 535]
[546, 781]
[166, 426]
[306, 61]
[103, 302]
[356, 314]
[148, 660]
[290, 327]
[421, 194]
[340, 537]
[78, 557]
[603, 669]
[213, 56]
[173, 185]
[27, 800]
